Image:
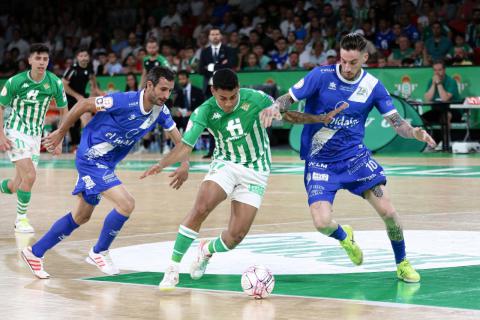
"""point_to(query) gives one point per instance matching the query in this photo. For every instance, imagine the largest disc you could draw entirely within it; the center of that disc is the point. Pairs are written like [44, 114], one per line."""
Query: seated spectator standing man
[442, 89]
[437, 45]
[75, 81]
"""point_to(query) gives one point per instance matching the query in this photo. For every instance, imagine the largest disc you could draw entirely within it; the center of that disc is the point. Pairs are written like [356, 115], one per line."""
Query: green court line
[283, 168]
[443, 287]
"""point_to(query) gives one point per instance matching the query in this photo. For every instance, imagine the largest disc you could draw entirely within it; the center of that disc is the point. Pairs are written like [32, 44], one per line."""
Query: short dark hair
[82, 49]
[39, 48]
[215, 28]
[353, 41]
[225, 79]
[156, 73]
[183, 73]
[438, 61]
[152, 39]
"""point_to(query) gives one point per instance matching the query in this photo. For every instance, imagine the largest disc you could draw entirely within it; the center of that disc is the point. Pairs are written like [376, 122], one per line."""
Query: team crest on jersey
[103, 103]
[245, 106]
[332, 86]
[4, 91]
[46, 86]
[299, 84]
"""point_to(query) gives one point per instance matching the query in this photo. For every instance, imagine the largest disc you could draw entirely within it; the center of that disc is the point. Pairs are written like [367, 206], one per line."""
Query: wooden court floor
[425, 202]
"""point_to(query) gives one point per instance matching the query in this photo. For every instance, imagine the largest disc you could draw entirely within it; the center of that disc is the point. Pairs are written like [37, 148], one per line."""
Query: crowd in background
[264, 35]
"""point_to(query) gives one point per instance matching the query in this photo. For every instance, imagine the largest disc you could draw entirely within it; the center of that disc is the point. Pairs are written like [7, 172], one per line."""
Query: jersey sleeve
[60, 96]
[7, 93]
[165, 119]
[195, 126]
[264, 100]
[383, 101]
[110, 102]
[307, 86]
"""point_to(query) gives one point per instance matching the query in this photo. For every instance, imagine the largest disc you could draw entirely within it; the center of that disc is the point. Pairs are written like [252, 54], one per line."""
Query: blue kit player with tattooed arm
[120, 121]
[334, 153]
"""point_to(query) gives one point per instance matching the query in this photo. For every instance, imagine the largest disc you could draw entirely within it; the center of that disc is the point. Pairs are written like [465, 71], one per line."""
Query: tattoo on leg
[394, 231]
[377, 191]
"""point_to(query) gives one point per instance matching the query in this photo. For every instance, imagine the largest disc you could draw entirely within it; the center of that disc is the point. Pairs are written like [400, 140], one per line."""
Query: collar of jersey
[339, 75]
[234, 108]
[29, 77]
[140, 103]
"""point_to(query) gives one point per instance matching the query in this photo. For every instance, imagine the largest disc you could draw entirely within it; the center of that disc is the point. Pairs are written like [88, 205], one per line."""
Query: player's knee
[387, 214]
[127, 206]
[81, 218]
[201, 210]
[322, 223]
[29, 177]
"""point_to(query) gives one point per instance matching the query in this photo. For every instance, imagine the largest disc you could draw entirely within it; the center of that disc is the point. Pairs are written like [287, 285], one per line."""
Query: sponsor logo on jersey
[133, 104]
[317, 165]
[332, 86]
[103, 103]
[89, 184]
[4, 91]
[245, 106]
[216, 115]
[132, 117]
[319, 176]
[25, 85]
[299, 84]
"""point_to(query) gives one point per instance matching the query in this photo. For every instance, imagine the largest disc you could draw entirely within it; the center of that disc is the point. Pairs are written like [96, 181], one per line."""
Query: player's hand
[58, 149]
[53, 140]
[270, 113]
[179, 176]
[329, 116]
[422, 135]
[155, 169]
[5, 143]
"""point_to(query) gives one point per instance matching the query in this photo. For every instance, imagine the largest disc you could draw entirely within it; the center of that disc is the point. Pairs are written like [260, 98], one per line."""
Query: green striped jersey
[30, 101]
[239, 135]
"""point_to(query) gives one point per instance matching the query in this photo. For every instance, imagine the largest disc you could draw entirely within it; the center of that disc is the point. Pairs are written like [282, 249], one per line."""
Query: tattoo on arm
[377, 191]
[300, 117]
[394, 231]
[284, 102]
[402, 127]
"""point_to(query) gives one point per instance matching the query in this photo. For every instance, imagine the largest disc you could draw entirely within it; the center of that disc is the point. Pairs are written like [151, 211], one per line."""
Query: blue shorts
[93, 179]
[357, 174]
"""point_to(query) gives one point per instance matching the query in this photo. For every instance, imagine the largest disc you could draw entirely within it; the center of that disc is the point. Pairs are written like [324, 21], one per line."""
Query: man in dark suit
[192, 98]
[215, 57]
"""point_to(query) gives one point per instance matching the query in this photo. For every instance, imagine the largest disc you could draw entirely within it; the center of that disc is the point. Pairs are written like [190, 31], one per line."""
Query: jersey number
[372, 165]
[235, 127]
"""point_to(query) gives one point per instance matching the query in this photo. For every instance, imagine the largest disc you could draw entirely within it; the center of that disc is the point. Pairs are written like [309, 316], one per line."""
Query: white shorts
[240, 183]
[23, 146]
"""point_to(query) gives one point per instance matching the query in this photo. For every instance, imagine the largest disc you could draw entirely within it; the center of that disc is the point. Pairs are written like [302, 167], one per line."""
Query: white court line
[361, 302]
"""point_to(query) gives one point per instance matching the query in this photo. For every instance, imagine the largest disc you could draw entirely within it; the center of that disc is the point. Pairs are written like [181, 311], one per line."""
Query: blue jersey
[324, 90]
[119, 123]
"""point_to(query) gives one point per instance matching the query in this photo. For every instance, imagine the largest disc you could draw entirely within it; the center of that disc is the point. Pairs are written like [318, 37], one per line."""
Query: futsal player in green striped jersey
[28, 94]
[240, 169]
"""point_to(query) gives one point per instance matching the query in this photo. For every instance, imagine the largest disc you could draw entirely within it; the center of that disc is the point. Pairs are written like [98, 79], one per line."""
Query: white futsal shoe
[170, 278]
[22, 225]
[200, 264]
[34, 263]
[103, 261]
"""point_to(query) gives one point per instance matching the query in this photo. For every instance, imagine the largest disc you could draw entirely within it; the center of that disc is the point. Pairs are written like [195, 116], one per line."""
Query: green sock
[217, 245]
[185, 237]
[23, 200]
[4, 186]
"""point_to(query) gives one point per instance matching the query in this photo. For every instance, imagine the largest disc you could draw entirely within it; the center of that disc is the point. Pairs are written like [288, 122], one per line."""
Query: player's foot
[170, 278]
[200, 264]
[103, 261]
[22, 225]
[406, 272]
[351, 247]
[34, 263]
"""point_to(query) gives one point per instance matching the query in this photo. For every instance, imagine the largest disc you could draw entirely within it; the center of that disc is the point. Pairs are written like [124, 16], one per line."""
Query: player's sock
[61, 229]
[4, 186]
[398, 250]
[339, 234]
[23, 200]
[185, 237]
[217, 245]
[111, 227]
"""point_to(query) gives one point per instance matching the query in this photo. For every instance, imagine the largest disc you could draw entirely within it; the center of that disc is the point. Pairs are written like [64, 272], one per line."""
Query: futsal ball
[258, 282]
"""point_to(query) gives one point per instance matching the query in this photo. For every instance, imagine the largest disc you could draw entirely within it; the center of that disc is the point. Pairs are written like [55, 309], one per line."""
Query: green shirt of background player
[29, 94]
[152, 59]
[240, 169]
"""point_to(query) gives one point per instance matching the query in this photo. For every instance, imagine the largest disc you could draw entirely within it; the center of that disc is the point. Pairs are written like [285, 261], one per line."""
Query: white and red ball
[258, 282]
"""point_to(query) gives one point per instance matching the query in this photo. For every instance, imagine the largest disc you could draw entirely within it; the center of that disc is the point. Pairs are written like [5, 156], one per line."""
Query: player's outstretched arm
[280, 105]
[305, 118]
[405, 130]
[180, 175]
[55, 138]
[181, 152]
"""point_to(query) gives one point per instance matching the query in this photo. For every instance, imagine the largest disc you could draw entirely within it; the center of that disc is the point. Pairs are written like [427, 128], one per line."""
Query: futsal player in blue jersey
[334, 153]
[121, 120]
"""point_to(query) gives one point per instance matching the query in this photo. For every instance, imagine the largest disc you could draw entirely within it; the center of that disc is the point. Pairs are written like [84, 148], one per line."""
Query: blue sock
[111, 227]
[61, 229]
[339, 234]
[399, 250]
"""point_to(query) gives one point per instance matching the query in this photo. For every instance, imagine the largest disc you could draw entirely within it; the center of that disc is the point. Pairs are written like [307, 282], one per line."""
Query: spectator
[112, 67]
[293, 62]
[437, 45]
[460, 58]
[19, 43]
[172, 17]
[473, 30]
[263, 60]
[130, 65]
[331, 57]
[246, 26]
[315, 57]
[192, 97]
[280, 56]
[228, 25]
[287, 25]
[131, 82]
[404, 51]
[132, 47]
[252, 63]
[384, 37]
[420, 55]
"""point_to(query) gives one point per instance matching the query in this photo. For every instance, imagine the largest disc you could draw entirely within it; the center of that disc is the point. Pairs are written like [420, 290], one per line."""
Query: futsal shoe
[22, 225]
[200, 264]
[406, 272]
[103, 261]
[170, 278]
[34, 263]
[351, 247]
